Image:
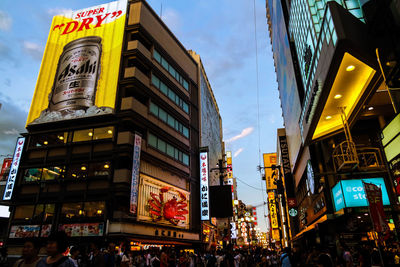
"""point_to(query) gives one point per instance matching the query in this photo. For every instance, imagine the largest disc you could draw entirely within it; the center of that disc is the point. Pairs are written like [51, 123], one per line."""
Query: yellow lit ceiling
[350, 83]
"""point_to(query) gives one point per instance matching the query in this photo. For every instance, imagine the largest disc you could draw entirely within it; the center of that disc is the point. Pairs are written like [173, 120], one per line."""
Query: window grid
[174, 73]
[168, 119]
[166, 148]
[169, 93]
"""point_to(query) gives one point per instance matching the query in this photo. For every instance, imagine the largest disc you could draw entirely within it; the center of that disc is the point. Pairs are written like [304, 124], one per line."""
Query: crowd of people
[60, 254]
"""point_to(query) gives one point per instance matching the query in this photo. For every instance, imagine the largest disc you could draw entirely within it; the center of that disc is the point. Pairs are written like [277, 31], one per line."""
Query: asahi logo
[71, 70]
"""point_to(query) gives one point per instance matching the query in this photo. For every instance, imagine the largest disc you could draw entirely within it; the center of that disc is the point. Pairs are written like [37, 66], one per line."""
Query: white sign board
[204, 194]
[12, 176]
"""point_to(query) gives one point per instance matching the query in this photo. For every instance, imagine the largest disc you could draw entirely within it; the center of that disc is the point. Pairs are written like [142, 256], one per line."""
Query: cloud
[12, 122]
[33, 49]
[5, 21]
[245, 132]
[237, 152]
[58, 11]
[7, 82]
[11, 132]
[172, 19]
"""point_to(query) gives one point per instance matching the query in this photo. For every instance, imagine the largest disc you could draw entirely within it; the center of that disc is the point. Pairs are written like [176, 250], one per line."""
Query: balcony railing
[348, 156]
[345, 156]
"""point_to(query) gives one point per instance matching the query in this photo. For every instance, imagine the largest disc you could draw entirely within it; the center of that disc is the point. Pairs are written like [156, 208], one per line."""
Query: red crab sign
[172, 210]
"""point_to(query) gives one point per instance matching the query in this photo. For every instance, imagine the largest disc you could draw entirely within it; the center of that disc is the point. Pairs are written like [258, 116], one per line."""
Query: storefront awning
[310, 227]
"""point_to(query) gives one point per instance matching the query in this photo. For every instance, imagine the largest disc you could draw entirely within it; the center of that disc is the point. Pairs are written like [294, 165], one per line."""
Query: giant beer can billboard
[80, 66]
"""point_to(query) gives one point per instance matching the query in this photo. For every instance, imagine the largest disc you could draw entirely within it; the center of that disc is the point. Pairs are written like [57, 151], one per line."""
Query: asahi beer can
[77, 74]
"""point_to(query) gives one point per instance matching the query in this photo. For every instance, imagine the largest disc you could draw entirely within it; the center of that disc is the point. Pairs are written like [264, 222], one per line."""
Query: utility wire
[260, 189]
[258, 100]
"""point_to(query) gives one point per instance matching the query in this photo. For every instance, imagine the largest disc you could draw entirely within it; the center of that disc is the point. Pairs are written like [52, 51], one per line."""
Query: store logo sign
[12, 176]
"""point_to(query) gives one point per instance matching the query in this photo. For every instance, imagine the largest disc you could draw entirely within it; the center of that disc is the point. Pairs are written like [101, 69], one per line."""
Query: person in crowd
[3, 257]
[110, 258]
[30, 253]
[155, 261]
[220, 258]
[237, 258]
[163, 259]
[74, 251]
[285, 257]
[96, 257]
[125, 258]
[56, 245]
[347, 257]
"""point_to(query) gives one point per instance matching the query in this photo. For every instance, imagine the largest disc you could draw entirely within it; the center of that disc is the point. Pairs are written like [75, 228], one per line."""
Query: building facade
[129, 171]
[335, 104]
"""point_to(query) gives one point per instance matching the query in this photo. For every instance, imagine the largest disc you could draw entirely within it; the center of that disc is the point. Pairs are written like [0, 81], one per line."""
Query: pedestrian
[347, 257]
[56, 245]
[155, 261]
[110, 258]
[285, 257]
[237, 258]
[74, 251]
[125, 258]
[163, 259]
[3, 257]
[96, 258]
[30, 253]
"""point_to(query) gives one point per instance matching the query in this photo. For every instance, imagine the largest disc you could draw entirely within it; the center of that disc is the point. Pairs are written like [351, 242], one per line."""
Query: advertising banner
[12, 176]
[24, 231]
[204, 190]
[5, 169]
[135, 174]
[350, 193]
[374, 197]
[272, 210]
[275, 235]
[163, 204]
[80, 66]
[269, 160]
[82, 229]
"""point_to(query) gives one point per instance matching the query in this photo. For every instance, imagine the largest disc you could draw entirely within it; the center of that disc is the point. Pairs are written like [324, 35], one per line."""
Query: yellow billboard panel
[272, 210]
[269, 160]
[275, 234]
[80, 66]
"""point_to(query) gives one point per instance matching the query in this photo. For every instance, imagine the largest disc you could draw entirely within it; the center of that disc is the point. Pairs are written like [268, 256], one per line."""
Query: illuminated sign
[5, 168]
[229, 169]
[275, 234]
[204, 190]
[350, 193]
[79, 72]
[162, 204]
[272, 210]
[269, 160]
[135, 174]
[82, 229]
[12, 176]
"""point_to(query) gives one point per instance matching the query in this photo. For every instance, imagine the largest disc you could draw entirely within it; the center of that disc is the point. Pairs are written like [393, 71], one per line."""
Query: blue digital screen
[338, 198]
[350, 193]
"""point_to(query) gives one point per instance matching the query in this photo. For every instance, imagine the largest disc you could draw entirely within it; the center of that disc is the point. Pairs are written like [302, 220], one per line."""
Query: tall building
[335, 102]
[113, 134]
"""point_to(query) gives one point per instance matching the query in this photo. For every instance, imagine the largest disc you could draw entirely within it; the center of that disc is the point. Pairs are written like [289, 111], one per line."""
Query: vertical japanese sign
[204, 201]
[269, 160]
[373, 194]
[272, 210]
[12, 176]
[135, 174]
[229, 164]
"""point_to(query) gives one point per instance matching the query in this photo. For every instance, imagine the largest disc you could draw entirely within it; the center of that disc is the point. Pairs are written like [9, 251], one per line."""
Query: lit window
[83, 135]
[103, 133]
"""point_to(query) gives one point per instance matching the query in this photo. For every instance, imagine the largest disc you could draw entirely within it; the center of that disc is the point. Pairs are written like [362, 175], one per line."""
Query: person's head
[31, 249]
[111, 247]
[94, 247]
[286, 250]
[57, 243]
[324, 261]
[74, 252]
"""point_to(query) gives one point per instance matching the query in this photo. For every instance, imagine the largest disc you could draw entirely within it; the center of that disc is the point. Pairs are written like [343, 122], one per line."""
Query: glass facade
[168, 149]
[311, 26]
[168, 119]
[174, 73]
[169, 93]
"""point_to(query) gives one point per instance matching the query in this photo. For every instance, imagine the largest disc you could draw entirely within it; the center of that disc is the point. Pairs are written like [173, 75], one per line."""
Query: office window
[52, 173]
[78, 171]
[49, 139]
[32, 175]
[72, 210]
[169, 93]
[94, 209]
[44, 212]
[100, 169]
[170, 120]
[103, 133]
[168, 149]
[83, 135]
[174, 73]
